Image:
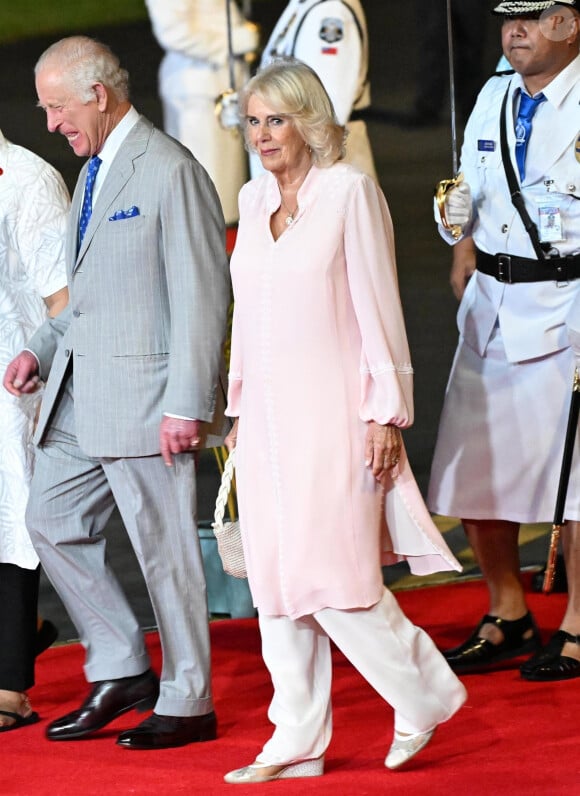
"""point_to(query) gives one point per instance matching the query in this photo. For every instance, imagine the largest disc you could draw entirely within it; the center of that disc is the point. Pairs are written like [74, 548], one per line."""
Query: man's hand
[177, 435]
[463, 266]
[458, 206]
[21, 376]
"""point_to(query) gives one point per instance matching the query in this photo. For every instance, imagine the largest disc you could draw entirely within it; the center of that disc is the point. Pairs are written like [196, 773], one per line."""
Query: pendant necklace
[291, 213]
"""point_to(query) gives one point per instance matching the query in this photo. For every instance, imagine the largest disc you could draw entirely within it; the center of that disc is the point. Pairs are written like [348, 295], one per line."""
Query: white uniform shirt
[330, 36]
[197, 29]
[193, 73]
[532, 316]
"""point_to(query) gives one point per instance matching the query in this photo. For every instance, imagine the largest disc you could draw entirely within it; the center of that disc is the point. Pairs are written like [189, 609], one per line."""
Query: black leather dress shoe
[549, 664]
[520, 637]
[107, 700]
[162, 732]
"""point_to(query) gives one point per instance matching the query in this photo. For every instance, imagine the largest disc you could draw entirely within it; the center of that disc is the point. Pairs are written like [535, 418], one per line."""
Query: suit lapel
[121, 170]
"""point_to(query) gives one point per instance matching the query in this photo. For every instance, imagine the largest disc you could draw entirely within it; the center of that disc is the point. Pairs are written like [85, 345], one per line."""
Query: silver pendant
[288, 220]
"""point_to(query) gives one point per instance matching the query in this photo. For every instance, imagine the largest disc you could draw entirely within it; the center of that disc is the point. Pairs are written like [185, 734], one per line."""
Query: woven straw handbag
[227, 534]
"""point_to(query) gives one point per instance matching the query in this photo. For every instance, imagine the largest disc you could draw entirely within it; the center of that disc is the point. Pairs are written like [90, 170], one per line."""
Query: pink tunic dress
[319, 349]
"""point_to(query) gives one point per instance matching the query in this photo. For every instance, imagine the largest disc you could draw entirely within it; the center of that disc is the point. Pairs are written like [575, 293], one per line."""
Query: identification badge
[550, 224]
[485, 145]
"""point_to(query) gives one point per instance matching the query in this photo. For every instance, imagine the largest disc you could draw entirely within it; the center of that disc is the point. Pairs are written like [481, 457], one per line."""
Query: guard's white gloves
[458, 205]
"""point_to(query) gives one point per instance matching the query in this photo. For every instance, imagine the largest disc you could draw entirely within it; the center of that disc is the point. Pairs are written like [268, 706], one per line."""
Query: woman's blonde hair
[293, 89]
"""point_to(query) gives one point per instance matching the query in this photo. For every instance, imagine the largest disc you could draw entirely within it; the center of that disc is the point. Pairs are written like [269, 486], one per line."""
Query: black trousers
[18, 626]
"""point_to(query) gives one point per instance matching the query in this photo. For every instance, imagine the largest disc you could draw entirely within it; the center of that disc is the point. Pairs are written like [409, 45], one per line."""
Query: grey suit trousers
[71, 499]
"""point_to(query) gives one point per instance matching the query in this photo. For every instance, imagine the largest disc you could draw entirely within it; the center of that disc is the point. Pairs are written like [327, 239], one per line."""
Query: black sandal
[19, 721]
[549, 663]
[479, 654]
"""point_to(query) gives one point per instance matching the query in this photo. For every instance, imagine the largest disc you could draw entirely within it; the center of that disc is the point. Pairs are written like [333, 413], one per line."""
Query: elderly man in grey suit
[142, 340]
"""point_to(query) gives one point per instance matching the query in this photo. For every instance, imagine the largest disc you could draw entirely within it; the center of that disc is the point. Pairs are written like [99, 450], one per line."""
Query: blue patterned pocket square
[121, 214]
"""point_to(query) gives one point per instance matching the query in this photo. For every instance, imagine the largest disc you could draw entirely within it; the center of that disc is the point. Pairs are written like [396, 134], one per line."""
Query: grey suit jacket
[148, 301]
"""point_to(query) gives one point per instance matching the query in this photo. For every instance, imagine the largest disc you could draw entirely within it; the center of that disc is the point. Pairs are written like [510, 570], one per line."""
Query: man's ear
[101, 96]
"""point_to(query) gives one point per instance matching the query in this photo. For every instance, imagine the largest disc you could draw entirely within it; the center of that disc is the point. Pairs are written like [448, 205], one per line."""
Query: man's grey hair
[82, 62]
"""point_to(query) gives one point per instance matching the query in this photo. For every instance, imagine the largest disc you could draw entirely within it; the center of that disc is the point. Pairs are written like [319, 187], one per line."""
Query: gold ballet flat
[405, 747]
[258, 772]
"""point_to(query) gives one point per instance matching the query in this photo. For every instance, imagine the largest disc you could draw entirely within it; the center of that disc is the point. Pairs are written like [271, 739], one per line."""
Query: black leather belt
[507, 268]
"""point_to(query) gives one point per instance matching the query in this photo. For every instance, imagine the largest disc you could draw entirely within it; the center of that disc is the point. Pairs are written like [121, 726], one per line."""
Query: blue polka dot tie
[528, 106]
[87, 207]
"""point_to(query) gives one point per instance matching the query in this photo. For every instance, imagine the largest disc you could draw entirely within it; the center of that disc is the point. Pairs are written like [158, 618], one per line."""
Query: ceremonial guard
[194, 72]
[331, 37]
[499, 451]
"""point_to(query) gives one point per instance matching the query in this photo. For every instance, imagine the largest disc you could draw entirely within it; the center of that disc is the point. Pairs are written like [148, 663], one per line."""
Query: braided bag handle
[224, 490]
[228, 535]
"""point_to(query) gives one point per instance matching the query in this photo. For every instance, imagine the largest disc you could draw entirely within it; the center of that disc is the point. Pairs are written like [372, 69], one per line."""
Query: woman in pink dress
[321, 384]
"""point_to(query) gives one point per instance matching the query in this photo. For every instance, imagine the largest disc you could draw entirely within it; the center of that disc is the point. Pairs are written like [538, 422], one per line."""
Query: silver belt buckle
[504, 268]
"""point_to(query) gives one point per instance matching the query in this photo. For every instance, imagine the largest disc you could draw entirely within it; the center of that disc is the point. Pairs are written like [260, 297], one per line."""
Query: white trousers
[398, 660]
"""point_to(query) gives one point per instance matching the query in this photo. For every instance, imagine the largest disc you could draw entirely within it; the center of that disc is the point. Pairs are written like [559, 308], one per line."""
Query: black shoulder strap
[514, 186]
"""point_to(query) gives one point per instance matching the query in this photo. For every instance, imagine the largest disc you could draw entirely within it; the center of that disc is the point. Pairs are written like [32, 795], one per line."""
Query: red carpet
[231, 233]
[512, 736]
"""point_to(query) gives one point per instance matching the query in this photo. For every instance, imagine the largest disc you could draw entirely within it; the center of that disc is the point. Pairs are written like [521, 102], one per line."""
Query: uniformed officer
[193, 73]
[331, 37]
[502, 430]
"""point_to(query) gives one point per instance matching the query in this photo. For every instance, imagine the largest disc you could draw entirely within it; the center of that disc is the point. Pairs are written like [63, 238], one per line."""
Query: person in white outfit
[193, 74]
[499, 450]
[331, 37]
[34, 206]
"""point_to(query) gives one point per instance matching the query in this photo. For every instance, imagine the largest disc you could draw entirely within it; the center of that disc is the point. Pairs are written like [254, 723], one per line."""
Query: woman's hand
[232, 437]
[382, 448]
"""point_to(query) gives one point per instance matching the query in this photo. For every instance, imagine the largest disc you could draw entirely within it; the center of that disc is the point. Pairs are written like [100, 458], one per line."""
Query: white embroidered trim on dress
[405, 367]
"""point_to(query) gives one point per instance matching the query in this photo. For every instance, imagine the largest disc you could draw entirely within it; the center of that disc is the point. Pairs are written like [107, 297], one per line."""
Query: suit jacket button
[67, 352]
[76, 313]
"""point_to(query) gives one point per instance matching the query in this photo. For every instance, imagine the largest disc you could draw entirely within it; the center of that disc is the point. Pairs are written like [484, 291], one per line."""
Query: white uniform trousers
[397, 658]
